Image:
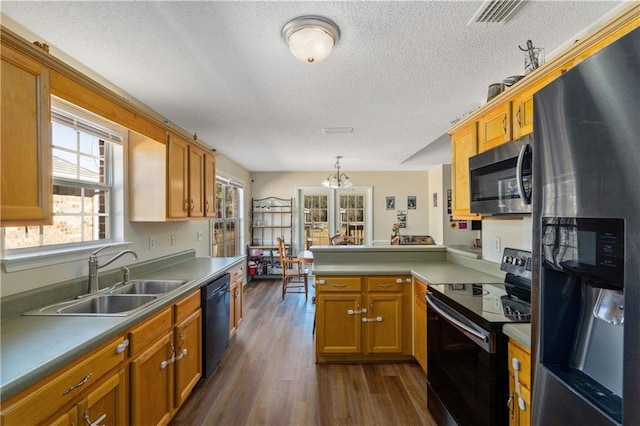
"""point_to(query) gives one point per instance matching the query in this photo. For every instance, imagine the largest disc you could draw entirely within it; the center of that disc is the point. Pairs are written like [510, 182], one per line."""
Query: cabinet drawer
[237, 274]
[386, 283]
[150, 331]
[187, 306]
[325, 284]
[524, 374]
[58, 390]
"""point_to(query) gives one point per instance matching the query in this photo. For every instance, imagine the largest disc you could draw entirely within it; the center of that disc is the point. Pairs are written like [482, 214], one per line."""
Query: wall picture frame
[391, 203]
[411, 202]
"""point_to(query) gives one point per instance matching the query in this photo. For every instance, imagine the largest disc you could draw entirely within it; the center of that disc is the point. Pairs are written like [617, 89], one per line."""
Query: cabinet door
[464, 144]
[152, 384]
[338, 323]
[70, 418]
[494, 127]
[196, 181]
[523, 113]
[25, 141]
[209, 185]
[177, 164]
[384, 323]
[420, 324]
[107, 403]
[188, 365]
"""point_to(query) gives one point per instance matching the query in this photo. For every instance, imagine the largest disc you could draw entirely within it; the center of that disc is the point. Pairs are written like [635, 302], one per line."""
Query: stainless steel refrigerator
[586, 242]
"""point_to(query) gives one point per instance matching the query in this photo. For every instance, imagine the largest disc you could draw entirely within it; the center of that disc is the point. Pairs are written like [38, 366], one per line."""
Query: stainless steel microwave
[501, 179]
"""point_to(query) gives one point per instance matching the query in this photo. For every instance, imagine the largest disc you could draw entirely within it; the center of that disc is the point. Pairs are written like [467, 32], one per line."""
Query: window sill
[25, 261]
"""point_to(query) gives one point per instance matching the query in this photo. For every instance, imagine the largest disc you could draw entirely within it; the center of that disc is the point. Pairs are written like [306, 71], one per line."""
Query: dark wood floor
[269, 376]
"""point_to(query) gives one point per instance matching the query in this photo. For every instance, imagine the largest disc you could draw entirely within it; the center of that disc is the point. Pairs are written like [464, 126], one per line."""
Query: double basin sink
[124, 298]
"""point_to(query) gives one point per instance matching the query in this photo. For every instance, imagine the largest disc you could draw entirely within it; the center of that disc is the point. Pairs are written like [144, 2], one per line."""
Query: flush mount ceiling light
[337, 179]
[310, 38]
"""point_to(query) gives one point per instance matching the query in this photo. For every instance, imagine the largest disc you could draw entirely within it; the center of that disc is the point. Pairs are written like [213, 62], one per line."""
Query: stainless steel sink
[148, 286]
[101, 305]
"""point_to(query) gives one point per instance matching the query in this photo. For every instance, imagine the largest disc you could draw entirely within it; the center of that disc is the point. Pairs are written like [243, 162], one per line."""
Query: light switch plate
[200, 235]
[496, 244]
[152, 243]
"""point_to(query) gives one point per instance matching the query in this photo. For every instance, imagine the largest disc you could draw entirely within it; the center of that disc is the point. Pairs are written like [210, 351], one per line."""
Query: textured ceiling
[401, 73]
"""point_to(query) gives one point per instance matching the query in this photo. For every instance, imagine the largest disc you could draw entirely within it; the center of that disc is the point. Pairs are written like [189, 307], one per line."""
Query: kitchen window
[84, 150]
[227, 226]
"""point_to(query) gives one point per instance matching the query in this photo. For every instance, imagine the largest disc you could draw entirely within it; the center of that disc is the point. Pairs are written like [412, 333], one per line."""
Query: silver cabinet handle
[77, 385]
[182, 355]
[399, 280]
[376, 319]
[122, 346]
[192, 205]
[171, 360]
[518, 116]
[320, 282]
[504, 124]
[96, 423]
[186, 205]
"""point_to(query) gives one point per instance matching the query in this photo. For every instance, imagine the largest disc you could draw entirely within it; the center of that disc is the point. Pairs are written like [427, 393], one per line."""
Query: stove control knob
[508, 260]
[519, 261]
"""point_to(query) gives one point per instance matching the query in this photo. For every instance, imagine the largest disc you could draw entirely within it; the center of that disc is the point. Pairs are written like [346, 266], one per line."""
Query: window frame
[66, 113]
[238, 220]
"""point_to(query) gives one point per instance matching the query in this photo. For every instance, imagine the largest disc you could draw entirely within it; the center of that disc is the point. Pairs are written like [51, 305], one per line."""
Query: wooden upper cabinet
[494, 127]
[25, 167]
[196, 181]
[178, 177]
[464, 144]
[209, 185]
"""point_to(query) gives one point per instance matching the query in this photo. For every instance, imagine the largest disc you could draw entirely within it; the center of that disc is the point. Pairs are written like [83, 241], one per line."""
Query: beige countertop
[36, 346]
[521, 333]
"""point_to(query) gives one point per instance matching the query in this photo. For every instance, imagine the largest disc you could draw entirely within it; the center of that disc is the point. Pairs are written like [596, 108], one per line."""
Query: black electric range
[491, 305]
[467, 380]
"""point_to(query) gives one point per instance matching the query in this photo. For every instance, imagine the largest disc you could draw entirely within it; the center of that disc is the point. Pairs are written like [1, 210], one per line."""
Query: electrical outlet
[152, 243]
[173, 239]
[496, 244]
[200, 235]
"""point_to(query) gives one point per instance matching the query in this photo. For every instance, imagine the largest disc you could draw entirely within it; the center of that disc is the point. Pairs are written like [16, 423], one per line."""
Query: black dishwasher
[215, 322]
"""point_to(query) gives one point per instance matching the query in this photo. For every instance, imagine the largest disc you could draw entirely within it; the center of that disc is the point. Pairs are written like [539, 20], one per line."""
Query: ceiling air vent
[495, 11]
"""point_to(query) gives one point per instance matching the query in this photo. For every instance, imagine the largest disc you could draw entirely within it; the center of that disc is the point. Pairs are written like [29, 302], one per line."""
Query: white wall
[398, 184]
[514, 233]
[439, 224]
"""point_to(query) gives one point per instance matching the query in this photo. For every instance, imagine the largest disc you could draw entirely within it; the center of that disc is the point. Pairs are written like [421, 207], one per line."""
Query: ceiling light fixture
[310, 38]
[337, 179]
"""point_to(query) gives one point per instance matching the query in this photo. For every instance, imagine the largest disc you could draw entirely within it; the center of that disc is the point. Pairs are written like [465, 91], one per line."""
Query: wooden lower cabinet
[94, 384]
[363, 318]
[107, 403]
[106, 388]
[188, 364]
[236, 289]
[420, 323]
[152, 373]
[519, 412]
[167, 359]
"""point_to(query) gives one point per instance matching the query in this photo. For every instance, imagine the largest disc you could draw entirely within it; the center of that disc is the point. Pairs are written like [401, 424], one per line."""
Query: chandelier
[337, 179]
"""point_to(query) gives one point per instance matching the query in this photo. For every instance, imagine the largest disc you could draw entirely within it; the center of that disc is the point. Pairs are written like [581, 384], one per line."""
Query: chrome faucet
[93, 266]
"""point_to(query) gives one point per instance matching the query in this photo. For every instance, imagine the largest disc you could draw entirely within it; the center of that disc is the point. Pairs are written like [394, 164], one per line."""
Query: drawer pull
[356, 312]
[122, 346]
[376, 319]
[97, 422]
[77, 385]
[339, 285]
[389, 285]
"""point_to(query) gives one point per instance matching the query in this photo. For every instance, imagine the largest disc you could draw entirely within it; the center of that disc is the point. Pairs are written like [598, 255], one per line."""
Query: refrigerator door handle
[523, 195]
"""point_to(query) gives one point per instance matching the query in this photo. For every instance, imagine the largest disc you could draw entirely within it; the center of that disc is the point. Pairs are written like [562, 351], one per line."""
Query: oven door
[467, 369]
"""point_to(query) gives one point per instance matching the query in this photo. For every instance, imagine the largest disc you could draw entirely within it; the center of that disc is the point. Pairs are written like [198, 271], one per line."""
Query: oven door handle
[461, 326]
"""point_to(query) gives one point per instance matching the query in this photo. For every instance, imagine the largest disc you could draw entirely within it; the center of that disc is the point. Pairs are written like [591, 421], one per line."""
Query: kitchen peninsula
[365, 296]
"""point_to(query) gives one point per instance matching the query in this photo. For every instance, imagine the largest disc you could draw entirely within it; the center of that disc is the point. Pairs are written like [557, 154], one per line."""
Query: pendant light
[337, 179]
[310, 38]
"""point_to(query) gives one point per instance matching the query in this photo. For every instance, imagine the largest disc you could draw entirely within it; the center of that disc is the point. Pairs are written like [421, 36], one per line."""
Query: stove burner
[515, 309]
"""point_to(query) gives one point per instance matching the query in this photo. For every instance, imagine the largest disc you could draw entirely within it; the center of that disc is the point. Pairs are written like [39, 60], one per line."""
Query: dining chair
[294, 275]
